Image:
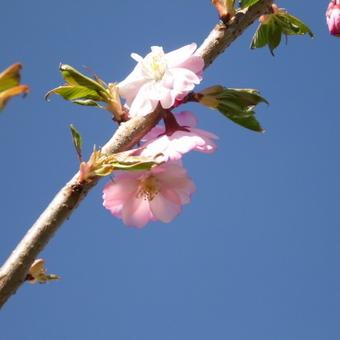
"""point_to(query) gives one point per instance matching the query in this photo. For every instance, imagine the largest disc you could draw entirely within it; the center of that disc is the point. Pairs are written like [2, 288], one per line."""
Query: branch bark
[14, 270]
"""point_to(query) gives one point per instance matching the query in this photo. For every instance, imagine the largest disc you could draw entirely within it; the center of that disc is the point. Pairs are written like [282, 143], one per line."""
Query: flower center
[154, 64]
[148, 188]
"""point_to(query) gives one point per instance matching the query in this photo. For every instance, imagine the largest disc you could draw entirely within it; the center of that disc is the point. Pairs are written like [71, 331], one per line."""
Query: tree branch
[14, 270]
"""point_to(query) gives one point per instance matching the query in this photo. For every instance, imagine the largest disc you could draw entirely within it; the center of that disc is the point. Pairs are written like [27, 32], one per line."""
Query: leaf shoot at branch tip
[273, 26]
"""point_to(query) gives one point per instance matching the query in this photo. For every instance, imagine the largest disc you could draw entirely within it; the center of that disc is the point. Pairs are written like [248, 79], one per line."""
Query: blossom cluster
[164, 79]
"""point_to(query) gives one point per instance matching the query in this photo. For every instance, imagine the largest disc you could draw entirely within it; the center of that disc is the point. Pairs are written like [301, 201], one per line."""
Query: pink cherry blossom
[161, 77]
[333, 17]
[181, 141]
[138, 197]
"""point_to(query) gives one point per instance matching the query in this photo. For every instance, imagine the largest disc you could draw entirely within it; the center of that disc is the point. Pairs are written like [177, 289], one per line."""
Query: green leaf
[277, 24]
[293, 26]
[260, 38]
[236, 104]
[243, 97]
[274, 36]
[124, 161]
[104, 165]
[244, 118]
[248, 3]
[107, 170]
[77, 141]
[267, 34]
[70, 92]
[87, 102]
[83, 90]
[74, 77]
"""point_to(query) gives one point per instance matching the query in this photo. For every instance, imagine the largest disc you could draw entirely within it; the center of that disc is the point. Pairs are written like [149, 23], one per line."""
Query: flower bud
[333, 17]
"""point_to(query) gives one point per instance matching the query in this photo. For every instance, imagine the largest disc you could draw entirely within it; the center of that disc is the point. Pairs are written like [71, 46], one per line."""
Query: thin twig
[14, 270]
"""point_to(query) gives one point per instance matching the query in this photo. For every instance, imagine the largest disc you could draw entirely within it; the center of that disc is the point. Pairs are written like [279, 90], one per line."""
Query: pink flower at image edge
[333, 17]
[138, 197]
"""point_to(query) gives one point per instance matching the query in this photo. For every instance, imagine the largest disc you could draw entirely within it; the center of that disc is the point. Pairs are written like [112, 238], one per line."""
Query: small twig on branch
[14, 271]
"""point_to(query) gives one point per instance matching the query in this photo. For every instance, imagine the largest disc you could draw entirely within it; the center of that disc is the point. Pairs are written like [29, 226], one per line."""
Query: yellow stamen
[148, 188]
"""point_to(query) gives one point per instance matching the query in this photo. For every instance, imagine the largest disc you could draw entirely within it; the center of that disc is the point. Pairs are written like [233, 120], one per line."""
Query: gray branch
[14, 270]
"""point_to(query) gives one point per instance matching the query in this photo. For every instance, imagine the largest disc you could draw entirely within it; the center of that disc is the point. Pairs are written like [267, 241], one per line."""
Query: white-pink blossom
[138, 197]
[180, 141]
[161, 77]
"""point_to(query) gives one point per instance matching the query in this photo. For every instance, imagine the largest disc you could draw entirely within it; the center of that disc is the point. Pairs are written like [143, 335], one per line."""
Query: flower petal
[186, 118]
[179, 56]
[194, 64]
[129, 87]
[184, 80]
[179, 143]
[163, 209]
[154, 133]
[116, 193]
[142, 103]
[136, 212]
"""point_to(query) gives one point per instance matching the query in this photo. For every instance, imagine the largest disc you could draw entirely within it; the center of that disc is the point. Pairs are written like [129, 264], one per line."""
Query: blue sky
[254, 256]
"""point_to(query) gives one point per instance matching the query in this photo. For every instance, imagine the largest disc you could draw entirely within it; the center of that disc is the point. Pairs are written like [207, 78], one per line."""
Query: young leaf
[125, 161]
[74, 77]
[38, 273]
[11, 92]
[132, 165]
[292, 25]
[87, 102]
[70, 92]
[274, 36]
[103, 165]
[273, 26]
[10, 77]
[243, 97]
[267, 34]
[260, 38]
[82, 90]
[236, 104]
[77, 141]
[244, 118]
[225, 8]
[10, 84]
[248, 3]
